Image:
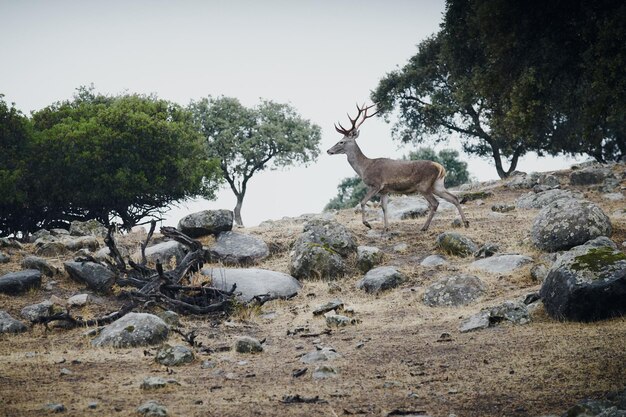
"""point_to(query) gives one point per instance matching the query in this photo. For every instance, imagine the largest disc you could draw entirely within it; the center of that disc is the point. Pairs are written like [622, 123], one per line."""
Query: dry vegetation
[393, 361]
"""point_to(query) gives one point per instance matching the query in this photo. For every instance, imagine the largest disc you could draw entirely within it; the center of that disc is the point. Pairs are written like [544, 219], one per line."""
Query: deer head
[349, 135]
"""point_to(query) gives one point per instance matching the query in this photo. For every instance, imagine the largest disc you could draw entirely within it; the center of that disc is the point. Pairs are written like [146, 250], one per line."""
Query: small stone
[78, 300]
[324, 354]
[475, 322]
[174, 355]
[246, 344]
[434, 260]
[335, 304]
[156, 382]
[502, 208]
[92, 405]
[65, 371]
[152, 409]
[337, 320]
[54, 407]
[324, 371]
[170, 318]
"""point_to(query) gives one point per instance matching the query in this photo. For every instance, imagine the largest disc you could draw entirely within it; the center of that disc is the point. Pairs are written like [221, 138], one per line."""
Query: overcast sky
[319, 56]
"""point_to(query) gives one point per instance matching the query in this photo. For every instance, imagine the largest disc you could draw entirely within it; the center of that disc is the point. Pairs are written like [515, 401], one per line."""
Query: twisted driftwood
[156, 286]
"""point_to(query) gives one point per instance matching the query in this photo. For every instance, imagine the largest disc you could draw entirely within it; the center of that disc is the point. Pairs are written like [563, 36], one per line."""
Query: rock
[329, 234]
[321, 355]
[487, 250]
[335, 304]
[368, 257]
[520, 180]
[232, 248]
[10, 325]
[15, 283]
[253, 282]
[456, 290]
[4, 258]
[567, 223]
[515, 312]
[35, 262]
[96, 276]
[613, 196]
[549, 181]
[54, 407]
[35, 311]
[501, 264]
[338, 320]
[152, 409]
[165, 252]
[156, 382]
[456, 244]
[81, 242]
[88, 228]
[134, 329]
[171, 318]
[51, 249]
[207, 222]
[586, 283]
[174, 355]
[539, 272]
[381, 279]
[434, 260]
[319, 250]
[502, 208]
[512, 311]
[246, 344]
[6, 242]
[474, 195]
[324, 371]
[312, 260]
[477, 321]
[542, 199]
[589, 176]
[78, 300]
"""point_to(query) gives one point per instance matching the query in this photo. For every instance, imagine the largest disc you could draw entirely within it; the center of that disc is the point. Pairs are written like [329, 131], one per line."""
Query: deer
[386, 176]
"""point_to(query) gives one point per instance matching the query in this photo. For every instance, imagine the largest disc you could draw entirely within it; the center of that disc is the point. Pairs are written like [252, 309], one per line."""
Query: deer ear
[355, 134]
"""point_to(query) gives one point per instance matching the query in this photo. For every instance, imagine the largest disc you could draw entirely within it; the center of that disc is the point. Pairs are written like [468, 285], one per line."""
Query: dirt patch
[402, 356]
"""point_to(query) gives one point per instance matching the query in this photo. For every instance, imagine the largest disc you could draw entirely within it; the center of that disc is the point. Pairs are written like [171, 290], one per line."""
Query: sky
[319, 56]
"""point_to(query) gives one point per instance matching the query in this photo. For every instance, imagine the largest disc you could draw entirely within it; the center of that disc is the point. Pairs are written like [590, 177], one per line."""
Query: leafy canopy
[250, 140]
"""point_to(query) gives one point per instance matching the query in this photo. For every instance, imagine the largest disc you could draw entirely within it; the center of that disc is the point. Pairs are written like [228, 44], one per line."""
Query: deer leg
[432, 208]
[371, 192]
[384, 199]
[440, 191]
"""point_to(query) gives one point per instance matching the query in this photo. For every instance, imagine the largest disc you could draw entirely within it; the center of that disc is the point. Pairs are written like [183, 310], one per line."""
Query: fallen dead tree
[156, 287]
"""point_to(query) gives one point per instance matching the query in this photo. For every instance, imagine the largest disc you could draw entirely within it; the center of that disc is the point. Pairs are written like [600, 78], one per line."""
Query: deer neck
[358, 160]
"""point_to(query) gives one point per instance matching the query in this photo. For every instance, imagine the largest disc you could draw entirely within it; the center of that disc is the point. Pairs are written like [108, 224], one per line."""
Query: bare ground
[393, 361]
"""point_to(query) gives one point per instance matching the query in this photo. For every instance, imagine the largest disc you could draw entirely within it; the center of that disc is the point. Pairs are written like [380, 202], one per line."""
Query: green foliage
[351, 190]
[99, 157]
[250, 140]
[510, 78]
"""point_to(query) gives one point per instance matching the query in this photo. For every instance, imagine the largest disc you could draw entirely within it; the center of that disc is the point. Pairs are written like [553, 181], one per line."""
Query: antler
[355, 123]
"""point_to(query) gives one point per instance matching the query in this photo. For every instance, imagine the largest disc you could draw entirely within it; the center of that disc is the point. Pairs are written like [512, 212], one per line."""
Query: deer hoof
[466, 223]
[425, 228]
[367, 225]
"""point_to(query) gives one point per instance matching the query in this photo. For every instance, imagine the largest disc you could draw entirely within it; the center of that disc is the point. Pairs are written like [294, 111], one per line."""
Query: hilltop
[398, 357]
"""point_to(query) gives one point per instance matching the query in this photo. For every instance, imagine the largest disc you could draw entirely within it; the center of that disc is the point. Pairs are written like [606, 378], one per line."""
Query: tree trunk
[237, 210]
[498, 161]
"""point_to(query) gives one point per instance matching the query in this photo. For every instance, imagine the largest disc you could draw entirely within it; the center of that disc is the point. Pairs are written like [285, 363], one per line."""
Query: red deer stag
[389, 176]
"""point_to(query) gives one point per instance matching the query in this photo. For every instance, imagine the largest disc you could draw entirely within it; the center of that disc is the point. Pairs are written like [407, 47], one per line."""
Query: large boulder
[207, 222]
[10, 325]
[403, 207]
[590, 175]
[35, 262]
[253, 282]
[368, 257]
[453, 291]
[502, 264]
[542, 199]
[95, 276]
[319, 250]
[166, 252]
[88, 228]
[456, 244]
[587, 283]
[19, 282]
[381, 279]
[568, 222]
[132, 330]
[232, 248]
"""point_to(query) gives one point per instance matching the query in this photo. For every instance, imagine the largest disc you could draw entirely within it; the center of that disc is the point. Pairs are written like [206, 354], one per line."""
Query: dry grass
[393, 359]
